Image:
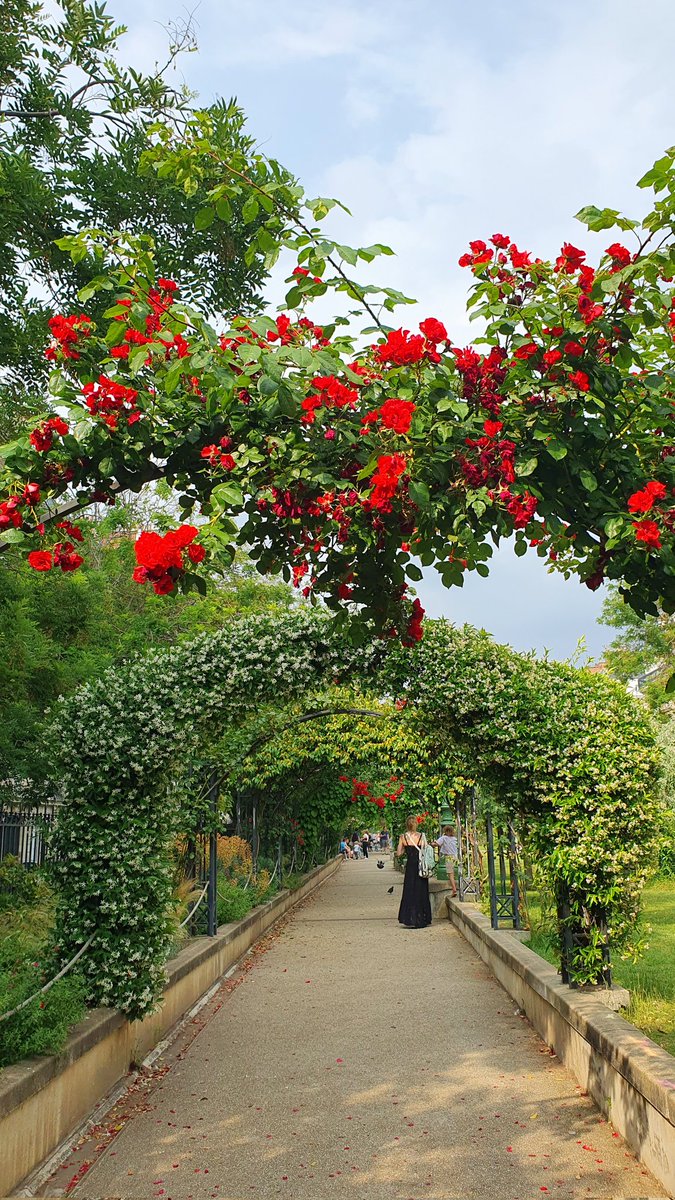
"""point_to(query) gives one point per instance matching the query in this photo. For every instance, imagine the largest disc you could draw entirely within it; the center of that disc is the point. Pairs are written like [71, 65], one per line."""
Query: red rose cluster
[111, 401]
[217, 456]
[415, 627]
[362, 791]
[66, 332]
[42, 437]
[10, 510]
[160, 557]
[394, 414]
[160, 300]
[385, 480]
[647, 531]
[403, 348]
[329, 392]
[63, 555]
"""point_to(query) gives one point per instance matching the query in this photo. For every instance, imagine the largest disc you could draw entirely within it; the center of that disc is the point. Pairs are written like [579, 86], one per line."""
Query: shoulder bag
[427, 861]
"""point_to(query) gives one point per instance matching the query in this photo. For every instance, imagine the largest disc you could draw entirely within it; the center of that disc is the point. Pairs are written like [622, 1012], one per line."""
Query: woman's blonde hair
[411, 824]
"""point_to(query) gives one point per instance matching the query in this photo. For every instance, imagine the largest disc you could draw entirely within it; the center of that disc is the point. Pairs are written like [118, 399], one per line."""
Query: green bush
[233, 902]
[20, 887]
[293, 880]
[42, 1027]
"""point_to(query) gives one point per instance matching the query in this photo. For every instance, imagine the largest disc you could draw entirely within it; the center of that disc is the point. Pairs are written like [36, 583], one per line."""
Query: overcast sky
[437, 121]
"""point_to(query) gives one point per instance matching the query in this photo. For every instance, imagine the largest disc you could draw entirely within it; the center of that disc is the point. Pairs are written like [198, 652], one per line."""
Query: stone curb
[206, 959]
[625, 1071]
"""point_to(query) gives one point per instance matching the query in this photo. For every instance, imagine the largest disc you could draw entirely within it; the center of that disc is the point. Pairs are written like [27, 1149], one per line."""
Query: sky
[436, 122]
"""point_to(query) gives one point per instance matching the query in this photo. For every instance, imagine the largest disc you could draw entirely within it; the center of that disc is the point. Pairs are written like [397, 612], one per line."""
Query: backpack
[427, 860]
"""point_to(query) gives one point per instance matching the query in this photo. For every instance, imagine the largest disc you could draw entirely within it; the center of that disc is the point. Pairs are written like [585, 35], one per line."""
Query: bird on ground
[390, 890]
[380, 865]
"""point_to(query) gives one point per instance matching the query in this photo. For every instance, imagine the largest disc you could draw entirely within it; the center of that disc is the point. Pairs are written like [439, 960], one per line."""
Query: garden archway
[569, 750]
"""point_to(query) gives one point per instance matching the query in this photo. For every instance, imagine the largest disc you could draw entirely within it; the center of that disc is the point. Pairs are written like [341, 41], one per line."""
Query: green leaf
[597, 218]
[670, 685]
[413, 572]
[419, 494]
[250, 210]
[348, 254]
[12, 536]
[556, 449]
[228, 495]
[224, 209]
[205, 217]
[614, 526]
[526, 468]
[589, 481]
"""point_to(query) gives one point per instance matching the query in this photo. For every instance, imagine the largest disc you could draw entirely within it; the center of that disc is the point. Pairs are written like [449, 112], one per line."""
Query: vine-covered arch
[569, 750]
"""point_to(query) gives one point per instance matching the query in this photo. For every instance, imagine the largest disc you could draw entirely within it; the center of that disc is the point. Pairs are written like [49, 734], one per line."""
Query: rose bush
[337, 458]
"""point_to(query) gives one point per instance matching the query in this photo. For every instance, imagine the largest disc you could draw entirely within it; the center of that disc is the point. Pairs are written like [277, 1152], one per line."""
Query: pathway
[359, 1059]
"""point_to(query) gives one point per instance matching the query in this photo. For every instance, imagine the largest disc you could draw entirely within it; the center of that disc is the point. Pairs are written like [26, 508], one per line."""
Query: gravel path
[361, 1061]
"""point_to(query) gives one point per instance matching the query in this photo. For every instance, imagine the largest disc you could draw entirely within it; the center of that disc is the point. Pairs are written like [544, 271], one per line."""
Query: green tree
[54, 638]
[73, 124]
[640, 644]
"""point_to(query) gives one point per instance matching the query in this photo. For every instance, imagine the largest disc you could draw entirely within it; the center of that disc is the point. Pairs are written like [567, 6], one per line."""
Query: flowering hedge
[569, 750]
[129, 734]
[337, 458]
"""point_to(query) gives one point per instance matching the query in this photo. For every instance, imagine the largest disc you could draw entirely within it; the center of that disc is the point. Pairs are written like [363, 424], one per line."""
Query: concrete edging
[42, 1100]
[631, 1079]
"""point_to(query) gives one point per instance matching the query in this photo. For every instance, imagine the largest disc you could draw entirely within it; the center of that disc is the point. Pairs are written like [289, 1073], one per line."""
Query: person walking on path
[365, 842]
[415, 909]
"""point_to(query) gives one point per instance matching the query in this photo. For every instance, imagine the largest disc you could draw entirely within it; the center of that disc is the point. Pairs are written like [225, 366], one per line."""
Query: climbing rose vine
[338, 459]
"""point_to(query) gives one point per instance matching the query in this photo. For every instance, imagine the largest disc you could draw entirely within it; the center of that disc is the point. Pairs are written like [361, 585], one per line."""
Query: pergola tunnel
[563, 756]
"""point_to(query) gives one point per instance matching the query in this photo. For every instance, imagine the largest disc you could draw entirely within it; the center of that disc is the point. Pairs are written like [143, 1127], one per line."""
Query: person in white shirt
[447, 846]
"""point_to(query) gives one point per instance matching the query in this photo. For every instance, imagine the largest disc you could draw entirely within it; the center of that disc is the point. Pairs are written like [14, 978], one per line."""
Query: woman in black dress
[415, 910]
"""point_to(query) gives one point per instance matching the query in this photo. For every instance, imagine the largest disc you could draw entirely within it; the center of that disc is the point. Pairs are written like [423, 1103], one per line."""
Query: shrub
[42, 1027]
[233, 902]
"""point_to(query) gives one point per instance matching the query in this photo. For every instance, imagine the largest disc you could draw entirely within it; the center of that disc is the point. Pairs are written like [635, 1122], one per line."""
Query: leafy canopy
[341, 461]
[73, 118]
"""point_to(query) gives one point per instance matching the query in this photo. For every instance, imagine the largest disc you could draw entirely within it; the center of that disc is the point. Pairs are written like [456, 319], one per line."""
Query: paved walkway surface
[361, 1060]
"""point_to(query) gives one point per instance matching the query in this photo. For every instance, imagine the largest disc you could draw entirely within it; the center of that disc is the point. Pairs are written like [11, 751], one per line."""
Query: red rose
[492, 428]
[619, 253]
[40, 560]
[588, 310]
[433, 330]
[580, 380]
[401, 348]
[649, 533]
[397, 414]
[570, 259]
[196, 553]
[643, 501]
[526, 351]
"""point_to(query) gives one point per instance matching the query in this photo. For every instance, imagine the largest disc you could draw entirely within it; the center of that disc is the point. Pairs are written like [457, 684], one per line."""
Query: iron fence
[26, 831]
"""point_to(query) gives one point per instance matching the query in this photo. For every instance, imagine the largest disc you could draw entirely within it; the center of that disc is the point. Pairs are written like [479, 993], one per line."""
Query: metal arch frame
[213, 791]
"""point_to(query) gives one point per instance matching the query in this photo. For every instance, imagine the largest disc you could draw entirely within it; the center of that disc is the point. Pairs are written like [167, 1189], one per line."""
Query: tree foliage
[59, 632]
[74, 121]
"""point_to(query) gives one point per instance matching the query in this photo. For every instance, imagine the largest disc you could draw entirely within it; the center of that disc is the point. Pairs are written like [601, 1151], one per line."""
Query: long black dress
[415, 909]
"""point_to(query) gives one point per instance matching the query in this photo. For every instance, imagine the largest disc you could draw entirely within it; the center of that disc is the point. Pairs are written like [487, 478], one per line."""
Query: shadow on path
[359, 1059]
